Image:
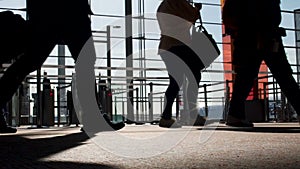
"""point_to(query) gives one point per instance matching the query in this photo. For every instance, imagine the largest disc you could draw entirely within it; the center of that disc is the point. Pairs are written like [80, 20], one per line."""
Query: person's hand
[198, 5]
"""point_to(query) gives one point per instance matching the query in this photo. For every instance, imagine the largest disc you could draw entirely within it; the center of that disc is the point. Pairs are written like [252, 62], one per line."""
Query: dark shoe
[115, 126]
[7, 129]
[103, 127]
[169, 123]
[200, 121]
[235, 122]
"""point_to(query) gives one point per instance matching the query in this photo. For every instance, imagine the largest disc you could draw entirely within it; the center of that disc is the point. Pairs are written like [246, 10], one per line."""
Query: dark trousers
[247, 58]
[42, 37]
[181, 62]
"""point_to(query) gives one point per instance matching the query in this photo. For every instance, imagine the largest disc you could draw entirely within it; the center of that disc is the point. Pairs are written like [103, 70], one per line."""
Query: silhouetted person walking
[257, 37]
[175, 18]
[50, 22]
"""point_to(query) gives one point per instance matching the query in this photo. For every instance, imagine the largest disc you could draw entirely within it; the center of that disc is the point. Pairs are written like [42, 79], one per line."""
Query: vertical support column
[129, 61]
[205, 100]
[108, 49]
[38, 105]
[61, 92]
[109, 91]
[123, 109]
[227, 100]
[297, 36]
[150, 97]
[161, 105]
[137, 105]
[58, 105]
[142, 55]
[266, 102]
[38, 83]
[275, 91]
[177, 106]
[116, 109]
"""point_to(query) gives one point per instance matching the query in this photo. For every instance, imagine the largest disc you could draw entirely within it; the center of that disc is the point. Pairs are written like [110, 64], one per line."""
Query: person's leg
[247, 63]
[79, 38]
[193, 74]
[176, 76]
[37, 51]
[192, 98]
[244, 79]
[175, 81]
[282, 72]
[170, 95]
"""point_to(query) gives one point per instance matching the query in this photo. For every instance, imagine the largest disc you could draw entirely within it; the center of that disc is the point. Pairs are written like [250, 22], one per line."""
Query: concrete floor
[268, 145]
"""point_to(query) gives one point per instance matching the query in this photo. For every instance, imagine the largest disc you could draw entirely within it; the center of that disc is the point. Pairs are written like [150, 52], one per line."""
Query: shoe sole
[173, 126]
[239, 125]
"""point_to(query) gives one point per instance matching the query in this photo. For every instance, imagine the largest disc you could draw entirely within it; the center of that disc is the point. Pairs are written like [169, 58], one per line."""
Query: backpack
[13, 35]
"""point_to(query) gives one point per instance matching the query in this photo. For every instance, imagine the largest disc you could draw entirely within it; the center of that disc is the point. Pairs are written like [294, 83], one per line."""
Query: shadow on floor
[20, 152]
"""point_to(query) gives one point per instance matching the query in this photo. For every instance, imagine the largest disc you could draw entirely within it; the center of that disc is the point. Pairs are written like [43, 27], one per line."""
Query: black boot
[115, 126]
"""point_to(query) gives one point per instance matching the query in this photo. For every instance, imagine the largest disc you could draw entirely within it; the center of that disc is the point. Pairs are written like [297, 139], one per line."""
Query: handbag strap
[201, 26]
[200, 19]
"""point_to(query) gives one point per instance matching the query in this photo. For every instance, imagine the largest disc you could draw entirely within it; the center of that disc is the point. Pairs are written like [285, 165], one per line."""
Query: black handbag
[204, 45]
